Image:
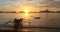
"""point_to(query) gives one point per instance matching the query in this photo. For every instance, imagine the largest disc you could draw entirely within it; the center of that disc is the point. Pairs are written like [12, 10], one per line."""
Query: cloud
[50, 0]
[51, 3]
[55, 4]
[7, 6]
[12, 0]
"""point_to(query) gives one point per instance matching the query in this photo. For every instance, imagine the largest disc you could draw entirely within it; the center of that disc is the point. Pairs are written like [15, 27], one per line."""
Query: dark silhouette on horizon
[45, 11]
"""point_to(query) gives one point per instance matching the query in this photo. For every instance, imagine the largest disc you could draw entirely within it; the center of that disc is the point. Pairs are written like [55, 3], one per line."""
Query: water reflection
[39, 30]
[26, 30]
[26, 15]
[52, 18]
[27, 18]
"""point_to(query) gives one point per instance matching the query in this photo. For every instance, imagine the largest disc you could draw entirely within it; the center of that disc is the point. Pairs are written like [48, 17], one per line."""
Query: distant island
[45, 11]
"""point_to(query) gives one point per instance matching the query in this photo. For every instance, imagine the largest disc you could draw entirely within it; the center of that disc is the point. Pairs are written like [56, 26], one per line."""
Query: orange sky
[33, 6]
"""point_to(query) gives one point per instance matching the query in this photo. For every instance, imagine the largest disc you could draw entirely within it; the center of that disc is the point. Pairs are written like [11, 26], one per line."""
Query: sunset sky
[32, 5]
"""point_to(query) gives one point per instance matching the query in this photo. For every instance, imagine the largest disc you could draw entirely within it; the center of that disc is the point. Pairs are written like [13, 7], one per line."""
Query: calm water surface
[46, 20]
[28, 18]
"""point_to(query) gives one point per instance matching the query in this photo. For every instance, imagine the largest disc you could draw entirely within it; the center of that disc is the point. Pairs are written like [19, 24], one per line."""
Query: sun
[26, 10]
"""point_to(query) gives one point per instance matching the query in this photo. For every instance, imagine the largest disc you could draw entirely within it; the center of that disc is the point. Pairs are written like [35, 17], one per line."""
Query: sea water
[46, 19]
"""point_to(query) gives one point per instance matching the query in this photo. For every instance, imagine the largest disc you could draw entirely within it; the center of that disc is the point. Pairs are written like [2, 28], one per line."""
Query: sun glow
[26, 10]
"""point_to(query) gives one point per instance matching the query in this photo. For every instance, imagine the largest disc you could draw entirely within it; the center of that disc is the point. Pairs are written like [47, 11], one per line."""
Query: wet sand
[32, 30]
[12, 31]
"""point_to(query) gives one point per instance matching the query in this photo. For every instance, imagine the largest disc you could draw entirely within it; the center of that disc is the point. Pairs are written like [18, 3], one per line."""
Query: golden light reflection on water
[26, 15]
[23, 15]
[26, 30]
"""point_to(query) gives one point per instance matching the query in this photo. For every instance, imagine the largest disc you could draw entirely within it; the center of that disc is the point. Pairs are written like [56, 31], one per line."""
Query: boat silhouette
[36, 17]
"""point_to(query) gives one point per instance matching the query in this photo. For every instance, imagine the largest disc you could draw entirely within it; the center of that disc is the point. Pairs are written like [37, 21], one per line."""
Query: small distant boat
[31, 16]
[37, 18]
